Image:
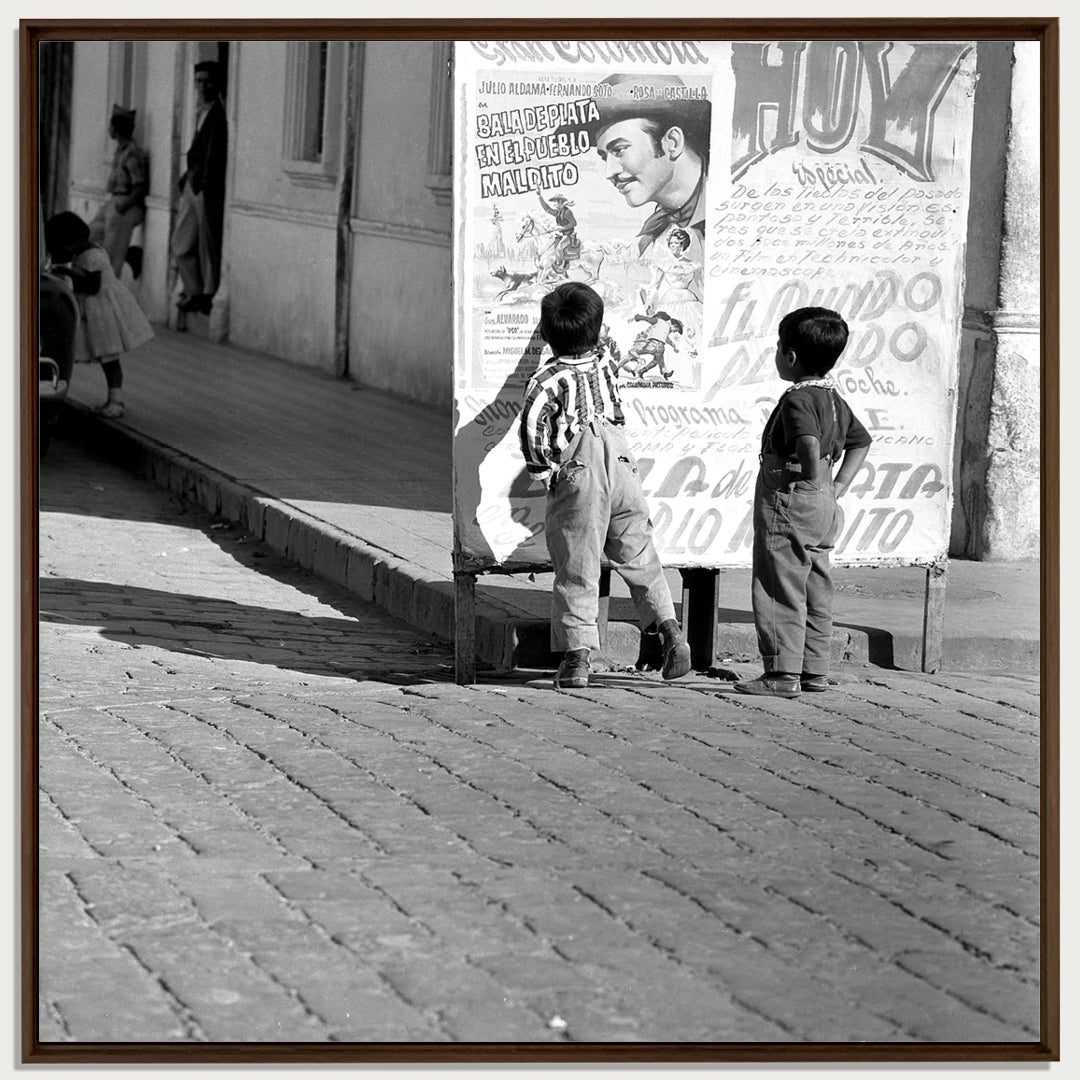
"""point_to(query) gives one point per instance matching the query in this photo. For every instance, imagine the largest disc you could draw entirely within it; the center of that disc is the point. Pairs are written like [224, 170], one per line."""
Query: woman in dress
[677, 287]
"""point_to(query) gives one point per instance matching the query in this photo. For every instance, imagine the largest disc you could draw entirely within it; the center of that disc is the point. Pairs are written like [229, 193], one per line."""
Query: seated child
[572, 439]
[795, 514]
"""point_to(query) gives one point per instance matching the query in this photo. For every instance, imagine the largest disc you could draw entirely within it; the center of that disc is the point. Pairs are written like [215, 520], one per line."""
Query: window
[310, 101]
[312, 111]
[440, 167]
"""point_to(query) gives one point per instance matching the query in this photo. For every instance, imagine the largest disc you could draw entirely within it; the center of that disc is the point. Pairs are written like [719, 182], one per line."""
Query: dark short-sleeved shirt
[817, 411]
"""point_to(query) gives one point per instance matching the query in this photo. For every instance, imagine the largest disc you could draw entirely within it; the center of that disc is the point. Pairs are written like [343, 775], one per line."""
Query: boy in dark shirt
[795, 512]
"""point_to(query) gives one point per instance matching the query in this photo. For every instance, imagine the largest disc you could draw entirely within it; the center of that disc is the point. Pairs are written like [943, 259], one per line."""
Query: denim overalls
[795, 527]
[595, 509]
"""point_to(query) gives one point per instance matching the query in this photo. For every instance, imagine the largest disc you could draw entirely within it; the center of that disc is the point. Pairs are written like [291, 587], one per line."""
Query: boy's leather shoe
[814, 684]
[770, 686]
[676, 651]
[676, 660]
[573, 672]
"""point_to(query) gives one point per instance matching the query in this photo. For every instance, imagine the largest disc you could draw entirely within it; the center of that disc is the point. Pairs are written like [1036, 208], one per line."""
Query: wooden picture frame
[1045, 31]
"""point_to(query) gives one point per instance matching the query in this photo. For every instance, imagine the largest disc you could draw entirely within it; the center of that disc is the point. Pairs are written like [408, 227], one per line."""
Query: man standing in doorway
[196, 243]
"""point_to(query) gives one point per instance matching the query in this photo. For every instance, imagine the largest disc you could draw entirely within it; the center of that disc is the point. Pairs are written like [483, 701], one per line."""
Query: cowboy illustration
[649, 353]
[566, 245]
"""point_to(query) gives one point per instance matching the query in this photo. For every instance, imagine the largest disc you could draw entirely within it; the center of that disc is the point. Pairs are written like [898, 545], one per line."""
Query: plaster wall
[281, 286]
[165, 165]
[996, 502]
[1012, 526]
[280, 224]
[395, 119]
[976, 362]
[90, 152]
[400, 336]
[262, 176]
[402, 318]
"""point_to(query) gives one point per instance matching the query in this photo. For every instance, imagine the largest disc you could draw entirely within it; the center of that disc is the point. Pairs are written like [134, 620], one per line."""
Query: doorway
[202, 148]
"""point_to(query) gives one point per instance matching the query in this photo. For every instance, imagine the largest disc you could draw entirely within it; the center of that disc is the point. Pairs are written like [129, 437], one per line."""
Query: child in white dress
[112, 321]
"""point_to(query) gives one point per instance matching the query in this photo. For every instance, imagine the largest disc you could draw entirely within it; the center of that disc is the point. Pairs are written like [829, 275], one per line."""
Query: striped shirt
[560, 399]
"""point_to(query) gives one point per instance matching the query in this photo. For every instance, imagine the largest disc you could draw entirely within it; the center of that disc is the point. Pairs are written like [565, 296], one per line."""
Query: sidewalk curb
[426, 601]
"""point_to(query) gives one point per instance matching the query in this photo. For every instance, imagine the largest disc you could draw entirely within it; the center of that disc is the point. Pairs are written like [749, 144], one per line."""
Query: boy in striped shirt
[573, 442]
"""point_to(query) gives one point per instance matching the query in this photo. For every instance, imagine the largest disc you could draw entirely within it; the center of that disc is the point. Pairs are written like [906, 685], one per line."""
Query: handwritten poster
[705, 189]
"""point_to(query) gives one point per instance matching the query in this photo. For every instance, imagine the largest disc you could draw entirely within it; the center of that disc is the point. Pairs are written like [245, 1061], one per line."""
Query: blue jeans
[795, 527]
[595, 508]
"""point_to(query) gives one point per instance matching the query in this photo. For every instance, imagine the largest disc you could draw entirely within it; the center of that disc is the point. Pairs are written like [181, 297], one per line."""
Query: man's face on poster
[637, 169]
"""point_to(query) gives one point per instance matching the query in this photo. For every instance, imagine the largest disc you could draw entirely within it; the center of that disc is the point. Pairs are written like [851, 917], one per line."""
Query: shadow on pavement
[66, 487]
[360, 648]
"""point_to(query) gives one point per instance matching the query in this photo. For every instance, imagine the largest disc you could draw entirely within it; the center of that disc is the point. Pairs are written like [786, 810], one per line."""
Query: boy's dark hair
[124, 126]
[64, 230]
[818, 335]
[570, 318]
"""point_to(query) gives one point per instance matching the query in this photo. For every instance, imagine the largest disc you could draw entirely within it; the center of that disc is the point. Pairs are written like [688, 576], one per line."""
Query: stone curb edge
[426, 604]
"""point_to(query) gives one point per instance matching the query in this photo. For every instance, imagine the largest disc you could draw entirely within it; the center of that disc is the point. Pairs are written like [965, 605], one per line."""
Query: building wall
[983, 256]
[401, 325]
[90, 151]
[1012, 526]
[996, 465]
[280, 231]
[168, 67]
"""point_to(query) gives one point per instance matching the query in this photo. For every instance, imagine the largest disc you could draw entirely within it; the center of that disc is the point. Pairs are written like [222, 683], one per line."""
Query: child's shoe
[770, 685]
[113, 408]
[676, 650]
[573, 672]
[814, 684]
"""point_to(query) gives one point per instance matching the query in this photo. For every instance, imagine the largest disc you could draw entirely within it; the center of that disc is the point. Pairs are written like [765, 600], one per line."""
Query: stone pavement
[267, 815]
[356, 486]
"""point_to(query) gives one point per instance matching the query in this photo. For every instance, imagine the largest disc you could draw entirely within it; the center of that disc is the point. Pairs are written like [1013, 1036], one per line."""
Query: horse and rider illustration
[560, 254]
[566, 246]
[557, 252]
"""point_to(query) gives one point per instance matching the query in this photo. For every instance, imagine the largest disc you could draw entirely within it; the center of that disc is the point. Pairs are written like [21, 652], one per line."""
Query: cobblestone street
[267, 813]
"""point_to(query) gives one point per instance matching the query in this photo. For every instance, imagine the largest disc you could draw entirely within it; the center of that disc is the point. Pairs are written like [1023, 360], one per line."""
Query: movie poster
[704, 190]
